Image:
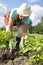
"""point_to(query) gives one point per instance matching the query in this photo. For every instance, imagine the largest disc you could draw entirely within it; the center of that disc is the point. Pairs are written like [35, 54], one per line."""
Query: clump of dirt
[18, 59]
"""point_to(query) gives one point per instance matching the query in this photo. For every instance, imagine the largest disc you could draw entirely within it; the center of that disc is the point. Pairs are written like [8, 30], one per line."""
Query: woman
[19, 17]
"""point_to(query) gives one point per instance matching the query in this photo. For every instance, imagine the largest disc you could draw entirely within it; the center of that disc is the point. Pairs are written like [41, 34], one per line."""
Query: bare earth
[20, 60]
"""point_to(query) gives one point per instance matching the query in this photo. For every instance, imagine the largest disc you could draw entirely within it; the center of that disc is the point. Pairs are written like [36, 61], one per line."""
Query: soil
[19, 59]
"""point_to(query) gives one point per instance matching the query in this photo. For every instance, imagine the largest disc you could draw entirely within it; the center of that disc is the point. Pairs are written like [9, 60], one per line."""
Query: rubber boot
[17, 44]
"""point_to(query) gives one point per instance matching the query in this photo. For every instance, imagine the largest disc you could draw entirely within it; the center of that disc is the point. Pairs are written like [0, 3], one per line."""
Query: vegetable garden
[33, 45]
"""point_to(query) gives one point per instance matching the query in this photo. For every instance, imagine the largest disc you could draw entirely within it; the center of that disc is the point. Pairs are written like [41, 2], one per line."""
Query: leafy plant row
[33, 43]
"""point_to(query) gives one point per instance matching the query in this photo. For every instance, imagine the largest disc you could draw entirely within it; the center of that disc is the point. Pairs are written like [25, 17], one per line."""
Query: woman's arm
[10, 24]
[24, 30]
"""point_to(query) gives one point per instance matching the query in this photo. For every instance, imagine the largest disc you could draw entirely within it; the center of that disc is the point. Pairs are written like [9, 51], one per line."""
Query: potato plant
[33, 44]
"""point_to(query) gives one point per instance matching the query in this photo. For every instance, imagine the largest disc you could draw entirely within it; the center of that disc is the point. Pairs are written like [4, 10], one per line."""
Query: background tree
[37, 28]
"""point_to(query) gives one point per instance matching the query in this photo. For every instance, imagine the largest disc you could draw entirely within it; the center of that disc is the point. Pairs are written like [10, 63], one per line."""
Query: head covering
[24, 10]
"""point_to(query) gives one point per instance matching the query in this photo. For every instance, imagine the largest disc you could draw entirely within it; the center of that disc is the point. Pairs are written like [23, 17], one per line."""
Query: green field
[33, 43]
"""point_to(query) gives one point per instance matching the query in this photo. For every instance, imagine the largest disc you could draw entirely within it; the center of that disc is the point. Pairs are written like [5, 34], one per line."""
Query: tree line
[37, 28]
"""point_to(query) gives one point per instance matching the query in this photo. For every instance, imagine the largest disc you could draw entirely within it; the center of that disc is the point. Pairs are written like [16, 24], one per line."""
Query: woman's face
[21, 17]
